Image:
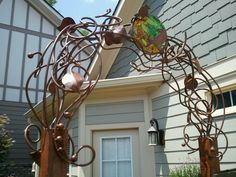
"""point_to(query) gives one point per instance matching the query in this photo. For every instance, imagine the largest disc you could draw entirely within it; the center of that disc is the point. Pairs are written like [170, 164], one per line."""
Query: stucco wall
[23, 30]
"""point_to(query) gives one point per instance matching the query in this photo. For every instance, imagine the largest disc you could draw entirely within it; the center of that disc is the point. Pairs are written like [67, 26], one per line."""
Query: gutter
[140, 81]
[144, 80]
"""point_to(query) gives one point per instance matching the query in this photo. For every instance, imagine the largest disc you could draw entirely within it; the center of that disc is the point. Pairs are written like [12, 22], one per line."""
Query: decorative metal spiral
[64, 66]
[66, 70]
[178, 56]
[182, 72]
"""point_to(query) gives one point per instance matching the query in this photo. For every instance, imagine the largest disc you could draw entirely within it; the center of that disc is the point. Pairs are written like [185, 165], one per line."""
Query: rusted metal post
[50, 163]
[209, 160]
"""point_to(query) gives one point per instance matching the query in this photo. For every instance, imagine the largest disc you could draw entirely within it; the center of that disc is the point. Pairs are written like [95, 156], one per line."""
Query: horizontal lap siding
[15, 111]
[211, 30]
[74, 131]
[118, 112]
[172, 117]
[210, 27]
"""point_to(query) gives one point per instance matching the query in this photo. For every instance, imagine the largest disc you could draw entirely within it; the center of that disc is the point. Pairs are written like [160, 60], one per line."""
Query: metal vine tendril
[65, 70]
[178, 56]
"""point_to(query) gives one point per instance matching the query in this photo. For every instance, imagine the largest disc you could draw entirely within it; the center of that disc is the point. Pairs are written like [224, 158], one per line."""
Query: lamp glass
[152, 138]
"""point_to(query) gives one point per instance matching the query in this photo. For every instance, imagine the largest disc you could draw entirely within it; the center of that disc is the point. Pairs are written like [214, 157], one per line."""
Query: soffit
[126, 10]
[132, 85]
[126, 86]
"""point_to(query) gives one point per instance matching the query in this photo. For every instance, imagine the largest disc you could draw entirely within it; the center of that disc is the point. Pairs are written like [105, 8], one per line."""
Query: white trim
[100, 166]
[231, 98]
[228, 110]
[224, 61]
[141, 81]
[47, 10]
[126, 11]
[224, 72]
[131, 80]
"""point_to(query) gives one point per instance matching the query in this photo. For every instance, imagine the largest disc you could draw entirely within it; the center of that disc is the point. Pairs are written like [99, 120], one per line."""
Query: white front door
[117, 153]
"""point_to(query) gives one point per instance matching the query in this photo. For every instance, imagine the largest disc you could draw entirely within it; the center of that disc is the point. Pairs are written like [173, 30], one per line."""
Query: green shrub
[6, 143]
[186, 170]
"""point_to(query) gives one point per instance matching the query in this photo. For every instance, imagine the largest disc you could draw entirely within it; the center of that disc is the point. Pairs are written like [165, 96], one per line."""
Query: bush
[186, 170]
[6, 143]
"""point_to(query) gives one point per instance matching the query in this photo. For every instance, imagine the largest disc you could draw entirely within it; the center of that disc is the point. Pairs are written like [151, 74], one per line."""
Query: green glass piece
[149, 34]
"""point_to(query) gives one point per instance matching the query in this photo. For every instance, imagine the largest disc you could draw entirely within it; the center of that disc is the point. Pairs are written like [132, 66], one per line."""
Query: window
[116, 157]
[229, 99]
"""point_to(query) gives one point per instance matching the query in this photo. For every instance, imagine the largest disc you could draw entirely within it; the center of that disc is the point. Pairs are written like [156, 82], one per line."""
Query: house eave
[126, 11]
[138, 80]
[141, 82]
[52, 14]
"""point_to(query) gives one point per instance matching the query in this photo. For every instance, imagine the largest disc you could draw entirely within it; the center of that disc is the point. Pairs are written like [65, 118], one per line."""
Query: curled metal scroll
[178, 56]
[65, 70]
[182, 72]
[64, 67]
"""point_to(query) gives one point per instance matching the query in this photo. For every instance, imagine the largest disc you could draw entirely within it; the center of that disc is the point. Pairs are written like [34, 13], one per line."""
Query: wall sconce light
[155, 135]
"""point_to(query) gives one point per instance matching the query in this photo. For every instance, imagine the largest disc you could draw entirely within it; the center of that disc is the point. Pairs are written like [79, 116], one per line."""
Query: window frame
[228, 110]
[116, 149]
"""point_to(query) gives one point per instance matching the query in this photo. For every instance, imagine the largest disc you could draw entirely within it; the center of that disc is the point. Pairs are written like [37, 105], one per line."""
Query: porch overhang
[106, 88]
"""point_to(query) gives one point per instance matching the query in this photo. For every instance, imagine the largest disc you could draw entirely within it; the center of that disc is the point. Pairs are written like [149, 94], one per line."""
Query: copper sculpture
[65, 69]
[176, 56]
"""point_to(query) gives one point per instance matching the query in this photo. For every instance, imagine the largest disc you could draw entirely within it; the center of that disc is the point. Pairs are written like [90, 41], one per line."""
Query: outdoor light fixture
[155, 135]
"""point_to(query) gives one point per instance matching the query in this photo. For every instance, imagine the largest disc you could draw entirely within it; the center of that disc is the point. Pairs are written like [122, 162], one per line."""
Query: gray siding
[74, 131]
[210, 26]
[172, 117]
[23, 29]
[211, 33]
[19, 151]
[119, 112]
[211, 30]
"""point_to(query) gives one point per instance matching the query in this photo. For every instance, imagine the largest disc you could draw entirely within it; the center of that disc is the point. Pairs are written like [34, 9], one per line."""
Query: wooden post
[208, 151]
[50, 163]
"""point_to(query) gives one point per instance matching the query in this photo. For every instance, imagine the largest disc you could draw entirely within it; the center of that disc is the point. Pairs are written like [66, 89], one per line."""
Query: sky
[77, 9]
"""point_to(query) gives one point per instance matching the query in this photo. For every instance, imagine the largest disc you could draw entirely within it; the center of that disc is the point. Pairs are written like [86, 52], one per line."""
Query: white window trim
[131, 151]
[231, 98]
[228, 110]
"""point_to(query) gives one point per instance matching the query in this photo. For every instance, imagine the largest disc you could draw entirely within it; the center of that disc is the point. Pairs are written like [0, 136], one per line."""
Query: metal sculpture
[65, 70]
[177, 58]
